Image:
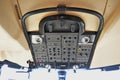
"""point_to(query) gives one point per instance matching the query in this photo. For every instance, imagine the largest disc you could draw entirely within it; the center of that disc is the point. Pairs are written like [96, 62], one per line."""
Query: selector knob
[36, 39]
[48, 67]
[85, 39]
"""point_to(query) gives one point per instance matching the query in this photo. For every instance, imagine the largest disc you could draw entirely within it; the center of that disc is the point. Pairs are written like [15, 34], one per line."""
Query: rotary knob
[85, 39]
[36, 39]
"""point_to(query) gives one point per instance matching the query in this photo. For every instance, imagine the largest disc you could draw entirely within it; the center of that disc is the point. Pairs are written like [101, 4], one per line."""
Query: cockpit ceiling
[13, 45]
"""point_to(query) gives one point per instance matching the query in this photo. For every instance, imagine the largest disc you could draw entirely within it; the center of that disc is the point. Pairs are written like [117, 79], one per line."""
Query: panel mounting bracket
[61, 9]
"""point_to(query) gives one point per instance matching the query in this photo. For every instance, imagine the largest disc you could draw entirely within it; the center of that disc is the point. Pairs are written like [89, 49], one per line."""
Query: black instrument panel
[62, 44]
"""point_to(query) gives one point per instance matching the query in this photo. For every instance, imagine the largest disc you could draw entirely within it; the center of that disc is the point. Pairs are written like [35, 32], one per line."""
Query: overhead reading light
[62, 41]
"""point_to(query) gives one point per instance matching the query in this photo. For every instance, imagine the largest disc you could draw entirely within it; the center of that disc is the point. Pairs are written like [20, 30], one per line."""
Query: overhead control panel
[62, 41]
